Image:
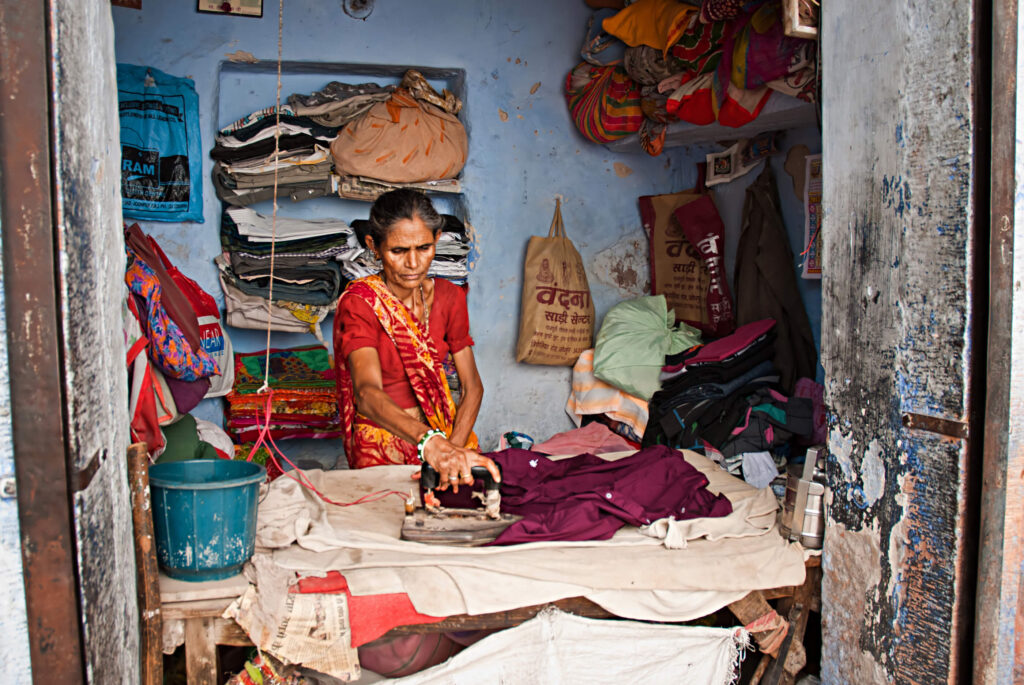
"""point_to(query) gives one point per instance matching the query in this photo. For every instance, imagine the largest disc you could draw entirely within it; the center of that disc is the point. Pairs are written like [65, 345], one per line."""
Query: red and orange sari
[366, 443]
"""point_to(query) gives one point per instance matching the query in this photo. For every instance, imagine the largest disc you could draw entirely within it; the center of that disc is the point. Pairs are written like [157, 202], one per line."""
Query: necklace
[426, 312]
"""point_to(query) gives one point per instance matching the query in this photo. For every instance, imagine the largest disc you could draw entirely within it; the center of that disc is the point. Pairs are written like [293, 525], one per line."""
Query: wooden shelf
[781, 112]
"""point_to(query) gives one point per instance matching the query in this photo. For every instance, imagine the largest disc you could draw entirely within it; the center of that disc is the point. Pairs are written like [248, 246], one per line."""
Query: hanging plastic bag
[556, 320]
[634, 339]
[161, 162]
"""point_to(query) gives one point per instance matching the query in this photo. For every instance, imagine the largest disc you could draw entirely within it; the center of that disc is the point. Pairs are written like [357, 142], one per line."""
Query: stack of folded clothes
[307, 274]
[337, 104]
[245, 168]
[303, 403]
[725, 395]
[450, 258]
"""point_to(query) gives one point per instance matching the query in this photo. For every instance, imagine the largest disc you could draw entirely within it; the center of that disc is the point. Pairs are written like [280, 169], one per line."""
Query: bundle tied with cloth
[412, 137]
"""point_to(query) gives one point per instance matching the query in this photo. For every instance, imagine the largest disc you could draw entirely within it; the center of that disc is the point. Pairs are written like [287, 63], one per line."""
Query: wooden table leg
[147, 575]
[200, 651]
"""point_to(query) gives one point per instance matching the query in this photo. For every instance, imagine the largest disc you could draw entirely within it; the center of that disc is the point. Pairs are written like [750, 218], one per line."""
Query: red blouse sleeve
[457, 332]
[358, 326]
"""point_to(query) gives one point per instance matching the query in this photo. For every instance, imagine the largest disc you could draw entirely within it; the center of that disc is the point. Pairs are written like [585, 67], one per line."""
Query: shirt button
[608, 495]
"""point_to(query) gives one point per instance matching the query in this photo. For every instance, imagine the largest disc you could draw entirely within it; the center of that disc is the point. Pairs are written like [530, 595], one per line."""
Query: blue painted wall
[515, 167]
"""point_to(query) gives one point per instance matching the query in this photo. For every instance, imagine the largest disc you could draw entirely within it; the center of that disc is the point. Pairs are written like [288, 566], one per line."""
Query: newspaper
[307, 629]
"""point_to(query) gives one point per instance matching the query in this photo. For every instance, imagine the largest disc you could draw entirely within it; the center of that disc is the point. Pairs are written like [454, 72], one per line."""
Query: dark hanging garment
[766, 285]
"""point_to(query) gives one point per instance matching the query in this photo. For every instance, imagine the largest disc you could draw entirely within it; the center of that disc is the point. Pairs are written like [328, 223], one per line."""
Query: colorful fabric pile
[717, 62]
[303, 403]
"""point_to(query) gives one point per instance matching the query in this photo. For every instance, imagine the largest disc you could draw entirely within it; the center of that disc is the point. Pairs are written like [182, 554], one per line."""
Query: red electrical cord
[265, 439]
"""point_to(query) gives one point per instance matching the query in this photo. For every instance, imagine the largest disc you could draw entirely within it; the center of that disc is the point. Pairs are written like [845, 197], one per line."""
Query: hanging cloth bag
[212, 336]
[556, 320]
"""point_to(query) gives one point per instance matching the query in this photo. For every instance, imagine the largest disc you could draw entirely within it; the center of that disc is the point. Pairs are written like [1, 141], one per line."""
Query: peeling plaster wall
[523, 151]
[898, 138]
[91, 254]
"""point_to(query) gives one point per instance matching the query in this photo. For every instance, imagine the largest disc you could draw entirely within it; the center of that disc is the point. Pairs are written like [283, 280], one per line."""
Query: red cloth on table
[449, 329]
[370, 616]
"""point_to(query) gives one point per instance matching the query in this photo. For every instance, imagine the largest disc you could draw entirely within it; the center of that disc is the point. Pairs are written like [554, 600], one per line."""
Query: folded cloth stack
[303, 403]
[336, 104]
[369, 189]
[450, 258]
[305, 269]
[246, 167]
[725, 394]
[307, 275]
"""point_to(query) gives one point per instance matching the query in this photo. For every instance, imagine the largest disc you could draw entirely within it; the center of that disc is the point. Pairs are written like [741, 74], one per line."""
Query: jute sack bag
[556, 321]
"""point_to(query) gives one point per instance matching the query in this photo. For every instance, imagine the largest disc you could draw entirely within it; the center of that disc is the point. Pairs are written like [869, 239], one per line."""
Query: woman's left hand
[455, 464]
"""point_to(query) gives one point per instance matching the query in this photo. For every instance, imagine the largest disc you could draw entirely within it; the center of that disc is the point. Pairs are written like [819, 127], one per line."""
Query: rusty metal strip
[999, 614]
[34, 349]
[81, 478]
[934, 424]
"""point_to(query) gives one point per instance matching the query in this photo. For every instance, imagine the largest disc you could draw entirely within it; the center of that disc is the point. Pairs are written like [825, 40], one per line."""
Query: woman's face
[406, 253]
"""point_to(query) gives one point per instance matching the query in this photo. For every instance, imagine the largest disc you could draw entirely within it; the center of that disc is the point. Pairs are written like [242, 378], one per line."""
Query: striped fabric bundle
[591, 395]
[604, 102]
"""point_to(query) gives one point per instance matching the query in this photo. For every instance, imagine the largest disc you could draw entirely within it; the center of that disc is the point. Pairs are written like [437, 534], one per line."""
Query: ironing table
[192, 612]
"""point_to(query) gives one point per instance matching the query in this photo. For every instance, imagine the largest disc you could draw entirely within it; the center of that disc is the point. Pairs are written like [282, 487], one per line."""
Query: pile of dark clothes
[726, 394]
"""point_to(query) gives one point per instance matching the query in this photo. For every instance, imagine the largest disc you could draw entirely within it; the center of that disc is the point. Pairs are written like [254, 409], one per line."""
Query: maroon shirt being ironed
[588, 498]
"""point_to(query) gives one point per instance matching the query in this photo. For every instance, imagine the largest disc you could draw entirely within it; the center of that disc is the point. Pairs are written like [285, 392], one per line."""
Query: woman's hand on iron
[455, 464]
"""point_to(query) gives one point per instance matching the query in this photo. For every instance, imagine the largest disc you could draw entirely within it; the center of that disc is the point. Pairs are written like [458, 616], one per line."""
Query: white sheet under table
[711, 563]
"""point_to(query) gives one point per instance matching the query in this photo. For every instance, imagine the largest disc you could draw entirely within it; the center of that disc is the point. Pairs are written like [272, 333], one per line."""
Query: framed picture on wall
[245, 8]
[800, 18]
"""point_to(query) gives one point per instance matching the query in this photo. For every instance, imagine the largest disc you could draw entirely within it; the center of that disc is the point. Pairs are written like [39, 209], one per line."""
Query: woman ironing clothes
[392, 331]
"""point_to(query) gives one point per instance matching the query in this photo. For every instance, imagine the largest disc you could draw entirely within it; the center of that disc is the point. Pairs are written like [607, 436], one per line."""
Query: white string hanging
[273, 219]
[266, 439]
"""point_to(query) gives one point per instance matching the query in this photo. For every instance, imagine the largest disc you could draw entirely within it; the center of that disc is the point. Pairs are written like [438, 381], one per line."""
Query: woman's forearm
[465, 416]
[376, 405]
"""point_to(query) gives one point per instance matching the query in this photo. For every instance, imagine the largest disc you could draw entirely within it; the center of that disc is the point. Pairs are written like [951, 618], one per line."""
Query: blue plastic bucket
[204, 516]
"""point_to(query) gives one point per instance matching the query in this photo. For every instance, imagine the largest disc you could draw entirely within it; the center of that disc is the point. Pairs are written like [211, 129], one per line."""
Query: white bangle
[422, 444]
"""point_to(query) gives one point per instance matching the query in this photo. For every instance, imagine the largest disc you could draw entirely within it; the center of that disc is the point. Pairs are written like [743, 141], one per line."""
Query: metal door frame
[34, 344]
[999, 620]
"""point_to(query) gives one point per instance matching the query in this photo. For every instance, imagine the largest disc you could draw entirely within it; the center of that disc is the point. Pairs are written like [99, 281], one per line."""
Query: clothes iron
[434, 523]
